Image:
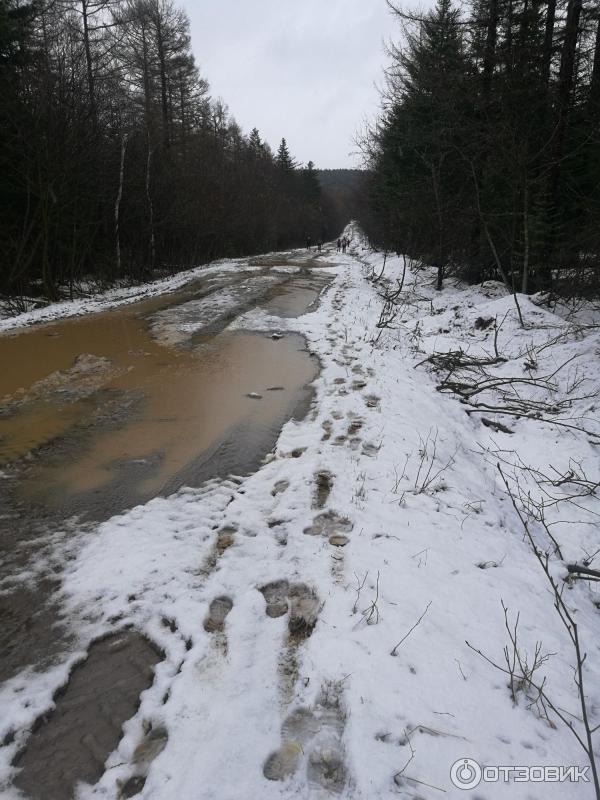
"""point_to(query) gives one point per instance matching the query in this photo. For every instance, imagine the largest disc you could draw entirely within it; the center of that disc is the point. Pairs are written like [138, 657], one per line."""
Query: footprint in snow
[298, 728]
[329, 523]
[150, 747]
[302, 605]
[315, 739]
[335, 528]
[275, 595]
[217, 614]
[280, 487]
[304, 611]
[300, 600]
[372, 401]
[370, 449]
[225, 539]
[355, 426]
[323, 487]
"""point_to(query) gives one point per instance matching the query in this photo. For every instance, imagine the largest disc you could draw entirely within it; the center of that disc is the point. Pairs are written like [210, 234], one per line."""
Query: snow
[432, 536]
[118, 296]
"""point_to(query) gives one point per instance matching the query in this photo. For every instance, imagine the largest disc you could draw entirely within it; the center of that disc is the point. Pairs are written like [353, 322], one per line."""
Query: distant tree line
[486, 158]
[114, 161]
[343, 197]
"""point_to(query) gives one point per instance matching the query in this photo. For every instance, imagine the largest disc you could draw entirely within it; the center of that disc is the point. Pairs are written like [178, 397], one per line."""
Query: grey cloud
[304, 70]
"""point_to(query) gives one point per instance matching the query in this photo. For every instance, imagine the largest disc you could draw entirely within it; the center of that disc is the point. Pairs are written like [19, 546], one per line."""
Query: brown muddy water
[177, 403]
[112, 408]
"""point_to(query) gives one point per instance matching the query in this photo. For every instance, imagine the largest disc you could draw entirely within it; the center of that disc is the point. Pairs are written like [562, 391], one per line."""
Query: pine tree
[283, 158]
[114, 161]
[486, 157]
[421, 137]
[255, 143]
[312, 187]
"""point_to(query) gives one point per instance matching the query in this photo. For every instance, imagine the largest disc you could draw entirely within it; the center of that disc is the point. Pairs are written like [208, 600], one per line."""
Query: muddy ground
[103, 412]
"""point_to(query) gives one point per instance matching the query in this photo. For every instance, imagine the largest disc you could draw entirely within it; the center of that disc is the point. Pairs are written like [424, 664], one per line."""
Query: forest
[485, 161]
[116, 163]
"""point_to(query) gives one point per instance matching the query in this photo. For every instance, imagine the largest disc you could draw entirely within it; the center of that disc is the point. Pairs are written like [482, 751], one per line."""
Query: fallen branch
[585, 573]
[405, 637]
[482, 408]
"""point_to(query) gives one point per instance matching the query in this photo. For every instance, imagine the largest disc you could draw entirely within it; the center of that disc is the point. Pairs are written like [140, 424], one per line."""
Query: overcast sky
[303, 69]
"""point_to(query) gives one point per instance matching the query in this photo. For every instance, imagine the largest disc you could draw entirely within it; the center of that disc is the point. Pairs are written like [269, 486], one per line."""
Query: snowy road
[309, 620]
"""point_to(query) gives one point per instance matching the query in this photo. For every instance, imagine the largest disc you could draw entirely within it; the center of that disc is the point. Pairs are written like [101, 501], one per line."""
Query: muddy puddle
[293, 298]
[124, 405]
[71, 744]
[188, 403]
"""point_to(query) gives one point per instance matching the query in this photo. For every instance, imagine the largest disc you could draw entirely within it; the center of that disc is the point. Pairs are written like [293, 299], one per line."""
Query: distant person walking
[339, 244]
[319, 245]
[344, 244]
[308, 242]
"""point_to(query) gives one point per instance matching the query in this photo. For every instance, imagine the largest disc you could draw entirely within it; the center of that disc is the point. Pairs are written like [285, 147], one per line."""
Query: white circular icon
[466, 773]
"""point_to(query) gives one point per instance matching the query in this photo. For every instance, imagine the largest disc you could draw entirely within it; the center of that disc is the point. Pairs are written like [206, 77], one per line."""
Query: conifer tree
[283, 159]
[486, 157]
[115, 162]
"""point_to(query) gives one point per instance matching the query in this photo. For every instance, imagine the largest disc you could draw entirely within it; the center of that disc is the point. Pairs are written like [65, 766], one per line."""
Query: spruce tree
[283, 158]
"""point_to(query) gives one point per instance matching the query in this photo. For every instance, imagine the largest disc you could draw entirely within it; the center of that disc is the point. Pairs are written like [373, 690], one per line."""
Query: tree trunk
[118, 202]
[489, 58]
[526, 248]
[440, 220]
[594, 97]
[146, 73]
[567, 60]
[564, 93]
[88, 60]
[164, 94]
[510, 50]
[183, 116]
[548, 41]
[152, 243]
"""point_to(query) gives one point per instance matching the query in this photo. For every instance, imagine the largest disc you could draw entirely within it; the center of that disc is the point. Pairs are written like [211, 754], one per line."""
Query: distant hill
[343, 195]
[340, 178]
